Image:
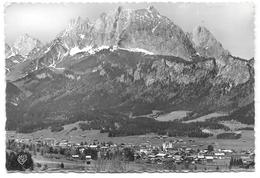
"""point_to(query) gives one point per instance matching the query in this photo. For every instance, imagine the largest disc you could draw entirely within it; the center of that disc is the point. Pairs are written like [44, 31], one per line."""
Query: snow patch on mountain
[82, 36]
[139, 50]
[76, 50]
[88, 49]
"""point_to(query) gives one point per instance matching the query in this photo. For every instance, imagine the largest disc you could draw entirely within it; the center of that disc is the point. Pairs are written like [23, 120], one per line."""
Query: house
[63, 144]
[145, 151]
[246, 159]
[188, 149]
[180, 140]
[209, 158]
[160, 155]
[201, 157]
[75, 156]
[151, 157]
[167, 145]
[177, 157]
[103, 148]
[93, 146]
[77, 144]
[88, 159]
[219, 155]
[227, 151]
[81, 150]
[49, 141]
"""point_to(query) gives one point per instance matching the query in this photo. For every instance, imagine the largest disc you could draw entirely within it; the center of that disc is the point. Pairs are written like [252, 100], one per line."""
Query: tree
[186, 165]
[62, 166]
[217, 168]
[129, 154]
[210, 148]
[240, 162]
[231, 163]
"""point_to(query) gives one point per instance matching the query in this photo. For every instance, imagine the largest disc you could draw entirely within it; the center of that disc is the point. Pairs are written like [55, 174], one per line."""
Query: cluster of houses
[170, 150]
[192, 154]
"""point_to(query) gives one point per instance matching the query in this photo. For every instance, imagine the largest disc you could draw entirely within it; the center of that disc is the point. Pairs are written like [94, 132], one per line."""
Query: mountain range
[125, 63]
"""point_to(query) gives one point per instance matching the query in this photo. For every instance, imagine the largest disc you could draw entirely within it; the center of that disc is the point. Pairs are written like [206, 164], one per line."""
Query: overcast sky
[231, 24]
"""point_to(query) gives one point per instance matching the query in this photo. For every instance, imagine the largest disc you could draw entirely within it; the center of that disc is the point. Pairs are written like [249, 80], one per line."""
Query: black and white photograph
[126, 87]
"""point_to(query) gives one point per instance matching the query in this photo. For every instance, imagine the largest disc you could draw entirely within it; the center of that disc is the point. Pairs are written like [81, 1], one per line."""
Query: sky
[231, 23]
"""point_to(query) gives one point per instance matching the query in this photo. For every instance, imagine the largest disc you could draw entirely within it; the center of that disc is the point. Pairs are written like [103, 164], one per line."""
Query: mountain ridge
[126, 62]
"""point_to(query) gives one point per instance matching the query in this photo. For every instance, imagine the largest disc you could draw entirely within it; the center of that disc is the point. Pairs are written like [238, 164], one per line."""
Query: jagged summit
[8, 50]
[128, 28]
[25, 44]
[152, 9]
[78, 23]
[206, 44]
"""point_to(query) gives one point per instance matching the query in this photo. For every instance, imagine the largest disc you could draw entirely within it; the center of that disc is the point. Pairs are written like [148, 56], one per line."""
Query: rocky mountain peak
[206, 44]
[201, 35]
[127, 28]
[153, 10]
[25, 44]
[78, 23]
[8, 50]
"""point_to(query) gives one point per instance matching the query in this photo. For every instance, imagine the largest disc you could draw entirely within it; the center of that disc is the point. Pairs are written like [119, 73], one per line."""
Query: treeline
[228, 136]
[56, 128]
[35, 121]
[235, 162]
[142, 125]
[246, 128]
[245, 115]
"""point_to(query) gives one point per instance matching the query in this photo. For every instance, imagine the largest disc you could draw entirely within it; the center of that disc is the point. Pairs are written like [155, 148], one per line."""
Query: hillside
[126, 63]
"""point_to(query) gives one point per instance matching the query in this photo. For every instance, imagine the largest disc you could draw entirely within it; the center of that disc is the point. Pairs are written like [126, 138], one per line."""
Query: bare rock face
[25, 44]
[8, 51]
[12, 61]
[143, 28]
[230, 68]
[11, 58]
[233, 69]
[206, 44]
[53, 54]
[24, 48]
[78, 33]
[148, 30]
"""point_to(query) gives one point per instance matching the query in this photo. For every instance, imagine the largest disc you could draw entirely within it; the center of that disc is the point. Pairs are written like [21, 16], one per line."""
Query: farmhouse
[49, 141]
[209, 158]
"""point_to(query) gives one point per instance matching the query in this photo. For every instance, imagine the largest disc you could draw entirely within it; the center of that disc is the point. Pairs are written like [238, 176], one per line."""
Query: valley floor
[76, 136]
[246, 141]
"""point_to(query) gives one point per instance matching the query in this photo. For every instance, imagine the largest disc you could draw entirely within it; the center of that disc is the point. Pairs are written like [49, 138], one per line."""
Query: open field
[52, 162]
[205, 117]
[116, 165]
[76, 136]
[95, 166]
[175, 115]
[234, 125]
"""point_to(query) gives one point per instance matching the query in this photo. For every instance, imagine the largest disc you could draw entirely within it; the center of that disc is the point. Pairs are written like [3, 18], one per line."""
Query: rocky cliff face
[131, 82]
[8, 51]
[25, 44]
[205, 43]
[23, 49]
[143, 28]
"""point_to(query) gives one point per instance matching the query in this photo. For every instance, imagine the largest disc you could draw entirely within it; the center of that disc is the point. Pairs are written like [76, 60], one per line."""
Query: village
[172, 155]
